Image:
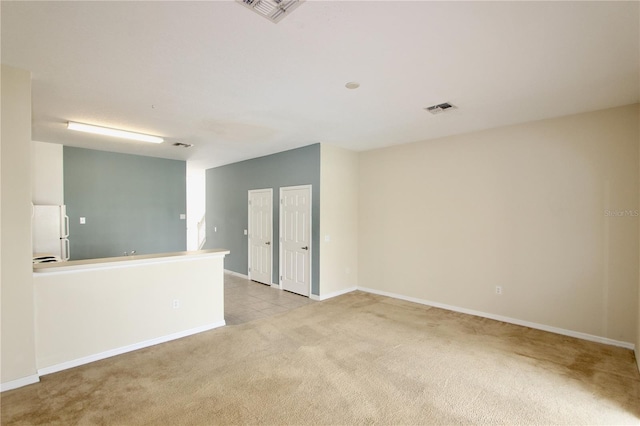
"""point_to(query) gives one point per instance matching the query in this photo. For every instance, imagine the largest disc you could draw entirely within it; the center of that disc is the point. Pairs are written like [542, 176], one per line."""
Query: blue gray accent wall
[227, 203]
[130, 202]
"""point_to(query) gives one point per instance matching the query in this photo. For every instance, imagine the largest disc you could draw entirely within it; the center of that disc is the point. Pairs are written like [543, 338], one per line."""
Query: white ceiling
[237, 86]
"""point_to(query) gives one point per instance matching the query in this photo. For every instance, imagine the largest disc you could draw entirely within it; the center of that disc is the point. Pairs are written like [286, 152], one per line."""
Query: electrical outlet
[176, 303]
[499, 290]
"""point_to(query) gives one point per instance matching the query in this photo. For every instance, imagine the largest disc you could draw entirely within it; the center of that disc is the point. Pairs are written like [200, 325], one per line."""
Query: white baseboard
[333, 294]
[278, 286]
[237, 274]
[129, 348]
[15, 384]
[562, 331]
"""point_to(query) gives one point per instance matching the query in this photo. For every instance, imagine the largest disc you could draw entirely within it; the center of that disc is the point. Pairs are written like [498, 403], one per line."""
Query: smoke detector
[437, 109]
[273, 10]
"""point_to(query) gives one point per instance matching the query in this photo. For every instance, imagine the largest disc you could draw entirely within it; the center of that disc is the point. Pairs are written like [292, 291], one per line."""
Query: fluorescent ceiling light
[113, 132]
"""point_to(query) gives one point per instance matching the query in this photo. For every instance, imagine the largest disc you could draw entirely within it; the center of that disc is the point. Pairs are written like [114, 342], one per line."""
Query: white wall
[196, 203]
[522, 207]
[47, 176]
[88, 314]
[18, 365]
[338, 220]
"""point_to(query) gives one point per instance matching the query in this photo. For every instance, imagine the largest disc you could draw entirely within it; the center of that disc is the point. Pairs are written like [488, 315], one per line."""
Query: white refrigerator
[50, 230]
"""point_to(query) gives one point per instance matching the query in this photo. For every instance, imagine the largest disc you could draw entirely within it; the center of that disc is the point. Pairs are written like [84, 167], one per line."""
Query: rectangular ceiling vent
[273, 10]
[437, 109]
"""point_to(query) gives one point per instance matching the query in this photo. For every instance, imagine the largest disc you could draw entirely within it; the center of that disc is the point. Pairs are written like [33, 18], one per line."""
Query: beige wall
[521, 207]
[638, 325]
[47, 176]
[85, 313]
[18, 351]
[338, 220]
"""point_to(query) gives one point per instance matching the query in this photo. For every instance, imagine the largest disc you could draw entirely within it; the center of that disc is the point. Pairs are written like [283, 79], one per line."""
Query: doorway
[260, 235]
[295, 239]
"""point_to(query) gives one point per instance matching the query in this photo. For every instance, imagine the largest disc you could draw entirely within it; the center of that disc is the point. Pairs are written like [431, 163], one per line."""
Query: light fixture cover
[99, 130]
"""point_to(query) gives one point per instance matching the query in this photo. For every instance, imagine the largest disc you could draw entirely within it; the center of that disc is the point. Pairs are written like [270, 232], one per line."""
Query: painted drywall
[637, 351]
[227, 203]
[338, 220]
[88, 312]
[18, 366]
[47, 175]
[130, 202]
[196, 204]
[546, 210]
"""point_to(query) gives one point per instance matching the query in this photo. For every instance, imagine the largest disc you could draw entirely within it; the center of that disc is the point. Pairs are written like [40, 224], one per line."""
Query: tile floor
[246, 300]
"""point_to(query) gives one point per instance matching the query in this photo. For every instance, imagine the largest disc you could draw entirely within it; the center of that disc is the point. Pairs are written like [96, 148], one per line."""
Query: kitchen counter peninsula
[116, 261]
[87, 310]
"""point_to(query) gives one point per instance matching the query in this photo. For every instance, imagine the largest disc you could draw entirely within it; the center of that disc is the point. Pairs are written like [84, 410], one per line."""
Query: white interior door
[260, 235]
[295, 239]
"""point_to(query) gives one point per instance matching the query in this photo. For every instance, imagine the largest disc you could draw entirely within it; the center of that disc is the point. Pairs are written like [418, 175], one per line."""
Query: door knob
[305, 248]
[268, 243]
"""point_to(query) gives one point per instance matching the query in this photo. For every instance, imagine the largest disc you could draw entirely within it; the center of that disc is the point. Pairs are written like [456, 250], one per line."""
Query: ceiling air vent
[273, 10]
[183, 145]
[437, 109]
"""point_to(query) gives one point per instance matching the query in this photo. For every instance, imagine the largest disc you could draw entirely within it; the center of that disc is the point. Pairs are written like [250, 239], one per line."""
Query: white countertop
[126, 260]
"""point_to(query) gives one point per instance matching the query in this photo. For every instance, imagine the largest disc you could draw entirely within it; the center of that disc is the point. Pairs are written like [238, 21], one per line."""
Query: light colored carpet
[355, 359]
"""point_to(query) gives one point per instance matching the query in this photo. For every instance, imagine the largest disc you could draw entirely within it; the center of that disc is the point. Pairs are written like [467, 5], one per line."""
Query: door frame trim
[249, 231]
[280, 217]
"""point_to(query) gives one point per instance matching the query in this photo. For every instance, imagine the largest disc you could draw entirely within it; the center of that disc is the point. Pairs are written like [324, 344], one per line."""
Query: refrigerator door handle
[66, 254]
[66, 226]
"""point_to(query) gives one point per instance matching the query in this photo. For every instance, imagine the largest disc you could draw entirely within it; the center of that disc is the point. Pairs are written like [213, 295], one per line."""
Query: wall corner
[18, 360]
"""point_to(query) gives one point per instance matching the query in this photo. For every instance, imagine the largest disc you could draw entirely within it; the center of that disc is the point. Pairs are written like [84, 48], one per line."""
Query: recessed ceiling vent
[440, 108]
[183, 145]
[273, 10]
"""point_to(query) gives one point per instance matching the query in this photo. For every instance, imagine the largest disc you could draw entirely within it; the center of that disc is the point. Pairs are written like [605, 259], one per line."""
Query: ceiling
[237, 86]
